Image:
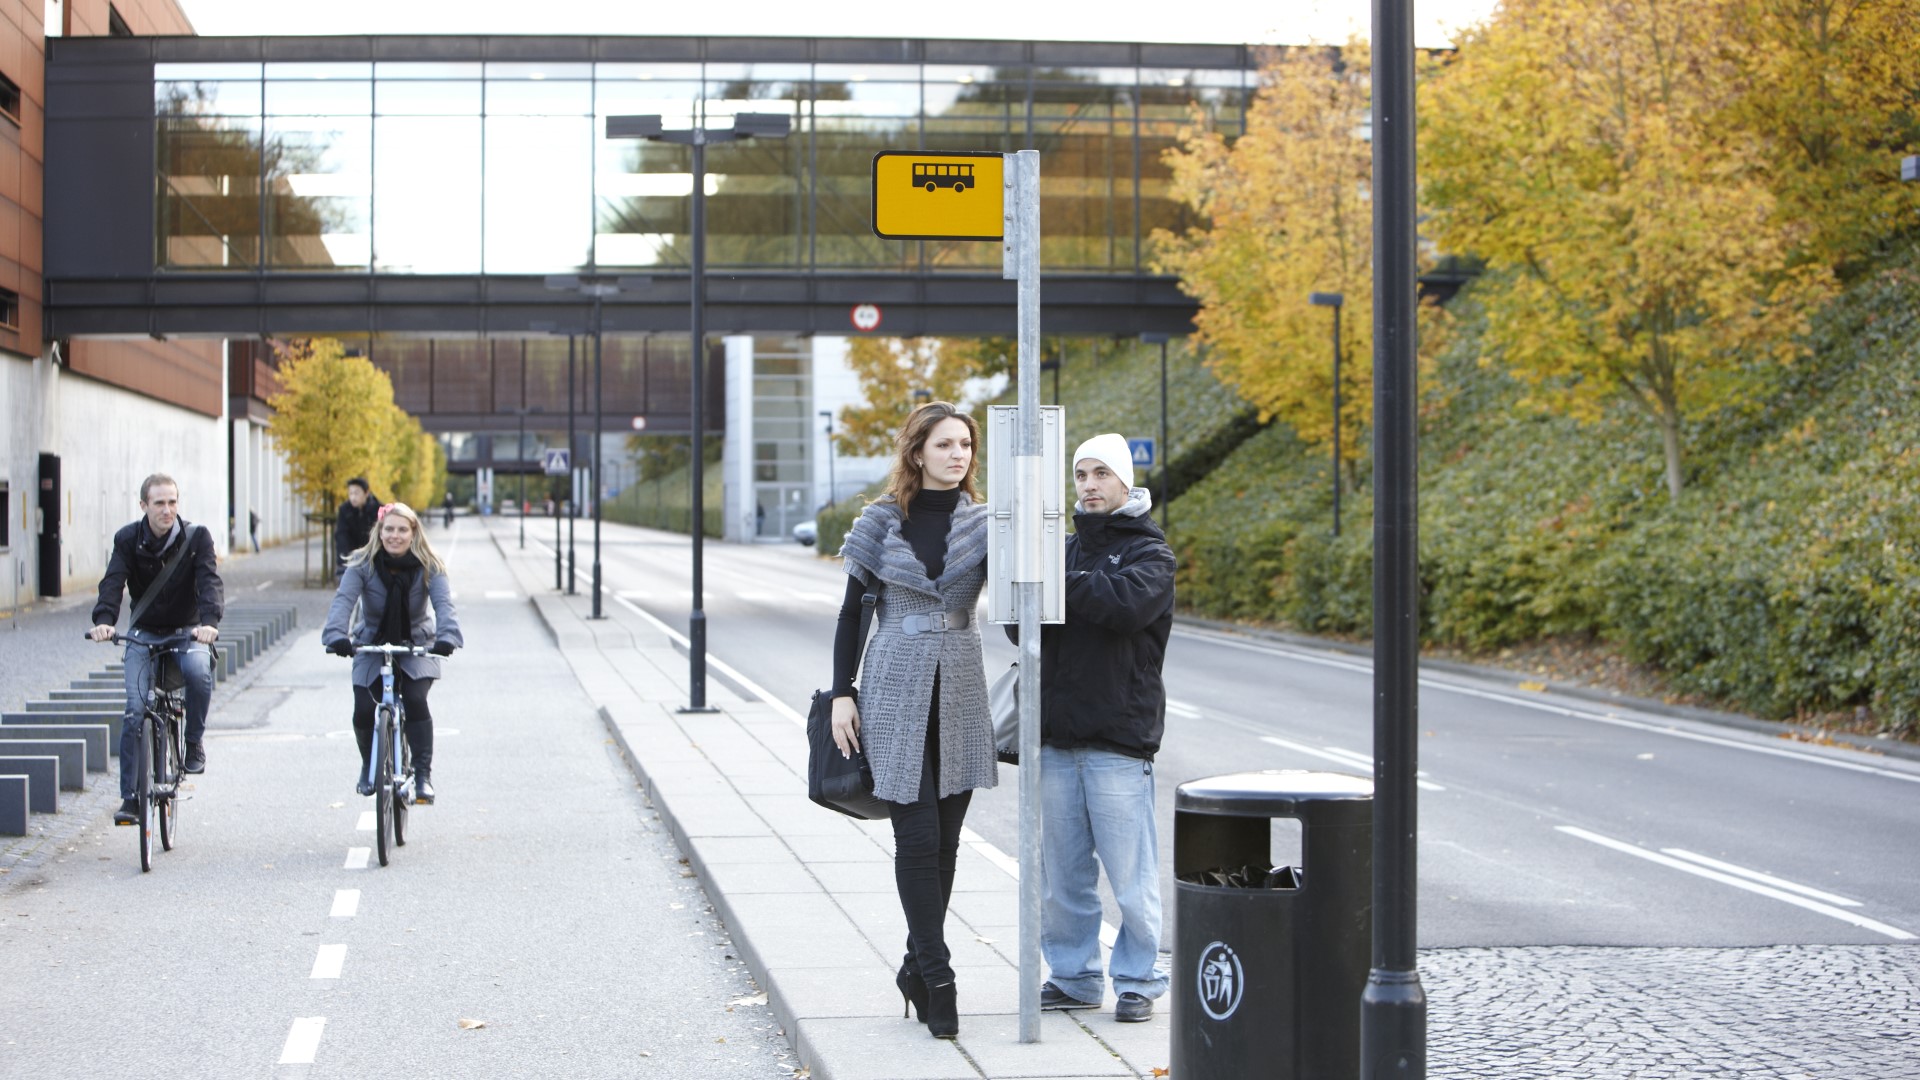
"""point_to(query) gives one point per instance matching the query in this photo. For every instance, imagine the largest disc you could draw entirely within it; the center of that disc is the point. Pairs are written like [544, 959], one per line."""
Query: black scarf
[398, 574]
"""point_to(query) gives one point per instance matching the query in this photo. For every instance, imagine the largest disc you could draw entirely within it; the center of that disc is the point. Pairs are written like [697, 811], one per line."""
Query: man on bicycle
[166, 563]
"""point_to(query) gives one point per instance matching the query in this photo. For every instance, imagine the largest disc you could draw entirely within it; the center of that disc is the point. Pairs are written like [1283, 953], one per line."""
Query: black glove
[443, 648]
[342, 647]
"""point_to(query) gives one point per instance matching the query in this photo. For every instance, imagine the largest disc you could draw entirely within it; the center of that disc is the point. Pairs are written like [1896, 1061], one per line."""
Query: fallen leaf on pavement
[1534, 687]
[469, 1025]
[751, 999]
[1158, 1071]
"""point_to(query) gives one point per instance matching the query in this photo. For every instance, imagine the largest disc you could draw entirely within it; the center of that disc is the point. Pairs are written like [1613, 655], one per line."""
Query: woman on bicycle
[394, 591]
[921, 711]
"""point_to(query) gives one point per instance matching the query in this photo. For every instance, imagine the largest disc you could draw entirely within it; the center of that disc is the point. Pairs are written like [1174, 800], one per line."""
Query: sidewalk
[809, 894]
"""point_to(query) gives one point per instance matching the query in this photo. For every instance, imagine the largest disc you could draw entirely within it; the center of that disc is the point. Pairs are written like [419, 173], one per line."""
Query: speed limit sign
[866, 317]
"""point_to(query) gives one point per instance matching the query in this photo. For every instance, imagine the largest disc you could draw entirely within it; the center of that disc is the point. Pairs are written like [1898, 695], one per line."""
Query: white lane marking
[328, 961]
[346, 903]
[501, 594]
[1345, 757]
[757, 597]
[365, 824]
[631, 594]
[1781, 895]
[819, 597]
[357, 858]
[303, 1041]
[1558, 710]
[262, 587]
[1181, 708]
[1764, 879]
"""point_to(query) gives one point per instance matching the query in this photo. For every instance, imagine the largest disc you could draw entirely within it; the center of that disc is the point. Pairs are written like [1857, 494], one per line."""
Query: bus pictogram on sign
[935, 175]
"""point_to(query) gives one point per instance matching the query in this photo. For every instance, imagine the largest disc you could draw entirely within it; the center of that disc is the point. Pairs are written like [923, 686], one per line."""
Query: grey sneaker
[1057, 1000]
[1133, 1009]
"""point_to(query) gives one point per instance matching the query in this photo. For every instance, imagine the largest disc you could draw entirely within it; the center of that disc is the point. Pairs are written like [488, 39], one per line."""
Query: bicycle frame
[386, 764]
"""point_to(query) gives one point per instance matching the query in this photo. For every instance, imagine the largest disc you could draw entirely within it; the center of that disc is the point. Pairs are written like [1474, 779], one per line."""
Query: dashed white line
[346, 903]
[357, 858]
[365, 824]
[303, 1041]
[501, 594]
[1352, 758]
[1764, 879]
[328, 961]
[262, 587]
[1781, 895]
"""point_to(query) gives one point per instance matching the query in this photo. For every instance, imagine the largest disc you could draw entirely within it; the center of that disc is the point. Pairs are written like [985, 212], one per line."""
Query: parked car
[806, 532]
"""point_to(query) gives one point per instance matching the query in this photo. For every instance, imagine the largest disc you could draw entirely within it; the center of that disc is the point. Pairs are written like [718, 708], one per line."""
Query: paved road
[541, 897]
[1543, 821]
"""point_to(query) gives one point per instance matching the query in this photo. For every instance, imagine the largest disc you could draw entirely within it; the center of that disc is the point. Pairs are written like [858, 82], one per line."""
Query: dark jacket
[353, 528]
[194, 595]
[1100, 680]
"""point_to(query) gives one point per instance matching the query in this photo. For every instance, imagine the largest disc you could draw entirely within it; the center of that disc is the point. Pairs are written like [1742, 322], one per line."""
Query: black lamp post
[1165, 451]
[833, 492]
[745, 126]
[1335, 301]
[598, 288]
[520, 460]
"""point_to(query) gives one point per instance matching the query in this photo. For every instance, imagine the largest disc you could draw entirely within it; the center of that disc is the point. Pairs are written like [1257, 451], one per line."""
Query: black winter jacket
[353, 528]
[194, 596]
[1100, 680]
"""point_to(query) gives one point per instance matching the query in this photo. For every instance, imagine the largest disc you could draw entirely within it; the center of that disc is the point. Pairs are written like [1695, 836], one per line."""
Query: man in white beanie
[1103, 708]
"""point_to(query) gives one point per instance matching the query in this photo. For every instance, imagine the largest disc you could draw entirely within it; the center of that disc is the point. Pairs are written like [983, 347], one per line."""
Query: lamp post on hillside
[745, 126]
[1335, 301]
[1160, 471]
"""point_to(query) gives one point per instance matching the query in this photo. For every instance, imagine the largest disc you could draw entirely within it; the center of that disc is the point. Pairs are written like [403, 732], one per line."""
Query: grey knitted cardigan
[896, 683]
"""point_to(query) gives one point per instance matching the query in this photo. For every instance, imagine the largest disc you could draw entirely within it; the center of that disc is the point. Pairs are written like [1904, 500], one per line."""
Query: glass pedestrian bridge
[234, 186]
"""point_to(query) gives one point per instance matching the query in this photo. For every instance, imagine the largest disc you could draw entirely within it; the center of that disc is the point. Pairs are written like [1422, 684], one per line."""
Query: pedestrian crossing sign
[1142, 452]
[555, 462]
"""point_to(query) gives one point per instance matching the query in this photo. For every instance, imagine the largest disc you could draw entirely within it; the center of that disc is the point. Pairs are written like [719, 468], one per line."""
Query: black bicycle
[163, 739]
[390, 766]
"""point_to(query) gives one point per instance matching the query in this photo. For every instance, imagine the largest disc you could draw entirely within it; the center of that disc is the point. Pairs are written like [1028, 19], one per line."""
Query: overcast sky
[1231, 21]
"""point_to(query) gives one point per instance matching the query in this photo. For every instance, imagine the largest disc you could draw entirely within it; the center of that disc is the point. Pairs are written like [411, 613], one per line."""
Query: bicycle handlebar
[396, 650]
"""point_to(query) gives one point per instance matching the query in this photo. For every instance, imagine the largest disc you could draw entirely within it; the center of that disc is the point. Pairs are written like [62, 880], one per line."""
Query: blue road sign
[1142, 450]
[556, 462]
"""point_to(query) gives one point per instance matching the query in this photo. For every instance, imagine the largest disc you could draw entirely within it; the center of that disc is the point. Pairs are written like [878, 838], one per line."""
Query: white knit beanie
[1111, 449]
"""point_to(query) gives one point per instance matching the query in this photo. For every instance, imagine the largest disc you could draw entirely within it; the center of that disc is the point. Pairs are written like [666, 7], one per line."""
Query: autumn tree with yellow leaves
[335, 419]
[1586, 150]
[1289, 215]
[892, 370]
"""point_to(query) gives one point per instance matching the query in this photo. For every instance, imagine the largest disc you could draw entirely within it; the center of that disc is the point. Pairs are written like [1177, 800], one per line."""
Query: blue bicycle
[390, 766]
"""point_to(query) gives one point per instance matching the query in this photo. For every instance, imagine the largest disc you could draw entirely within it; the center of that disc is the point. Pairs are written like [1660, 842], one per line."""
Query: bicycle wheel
[403, 786]
[167, 783]
[144, 795]
[383, 801]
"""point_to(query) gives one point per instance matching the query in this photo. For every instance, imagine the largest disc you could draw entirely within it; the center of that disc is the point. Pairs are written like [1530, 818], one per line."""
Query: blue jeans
[196, 665]
[1099, 804]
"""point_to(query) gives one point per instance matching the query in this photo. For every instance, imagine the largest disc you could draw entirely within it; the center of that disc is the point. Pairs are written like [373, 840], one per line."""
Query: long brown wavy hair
[905, 480]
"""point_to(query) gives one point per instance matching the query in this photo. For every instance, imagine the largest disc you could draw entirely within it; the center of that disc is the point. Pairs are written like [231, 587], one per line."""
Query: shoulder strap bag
[834, 781]
[167, 568]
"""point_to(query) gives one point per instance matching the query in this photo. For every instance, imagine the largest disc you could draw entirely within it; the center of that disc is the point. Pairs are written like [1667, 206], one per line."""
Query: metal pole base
[573, 574]
[596, 590]
[1393, 1026]
[697, 662]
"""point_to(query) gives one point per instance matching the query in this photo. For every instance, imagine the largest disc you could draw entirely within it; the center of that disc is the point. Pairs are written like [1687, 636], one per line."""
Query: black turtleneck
[925, 529]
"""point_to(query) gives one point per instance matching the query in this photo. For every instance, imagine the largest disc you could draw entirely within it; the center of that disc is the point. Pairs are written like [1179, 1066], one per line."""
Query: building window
[6, 517]
[9, 309]
[10, 99]
[116, 25]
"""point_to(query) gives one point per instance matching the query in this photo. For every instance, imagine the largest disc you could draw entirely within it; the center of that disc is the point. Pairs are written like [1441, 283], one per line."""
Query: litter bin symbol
[1269, 962]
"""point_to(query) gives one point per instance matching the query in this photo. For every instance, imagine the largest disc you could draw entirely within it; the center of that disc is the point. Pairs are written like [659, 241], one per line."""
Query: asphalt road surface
[1543, 820]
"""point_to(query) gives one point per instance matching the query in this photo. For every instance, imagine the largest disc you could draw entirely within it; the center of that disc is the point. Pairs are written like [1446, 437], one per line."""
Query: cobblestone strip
[1795, 1012]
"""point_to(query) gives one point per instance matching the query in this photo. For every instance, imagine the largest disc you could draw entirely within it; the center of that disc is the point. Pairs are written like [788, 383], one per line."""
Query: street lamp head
[634, 127]
[1151, 337]
[1326, 299]
[762, 125]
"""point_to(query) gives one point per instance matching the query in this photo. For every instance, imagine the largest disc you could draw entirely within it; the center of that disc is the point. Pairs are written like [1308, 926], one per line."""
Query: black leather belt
[938, 622]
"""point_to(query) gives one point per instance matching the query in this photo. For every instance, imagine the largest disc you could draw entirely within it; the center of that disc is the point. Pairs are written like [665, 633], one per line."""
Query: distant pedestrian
[394, 591]
[447, 509]
[921, 710]
[1103, 710]
[353, 523]
[253, 530]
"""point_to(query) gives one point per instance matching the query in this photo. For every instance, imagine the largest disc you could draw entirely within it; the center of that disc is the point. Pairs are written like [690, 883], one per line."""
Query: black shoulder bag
[834, 781]
[167, 568]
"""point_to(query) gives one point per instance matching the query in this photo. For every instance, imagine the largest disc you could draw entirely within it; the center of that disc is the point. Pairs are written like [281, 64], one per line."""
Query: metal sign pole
[1393, 1008]
[1022, 179]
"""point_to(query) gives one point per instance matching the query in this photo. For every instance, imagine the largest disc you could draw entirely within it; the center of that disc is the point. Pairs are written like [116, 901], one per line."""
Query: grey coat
[896, 684]
[362, 600]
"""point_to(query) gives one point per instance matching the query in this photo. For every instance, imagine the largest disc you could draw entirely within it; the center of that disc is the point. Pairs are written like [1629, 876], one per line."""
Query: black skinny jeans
[419, 729]
[926, 848]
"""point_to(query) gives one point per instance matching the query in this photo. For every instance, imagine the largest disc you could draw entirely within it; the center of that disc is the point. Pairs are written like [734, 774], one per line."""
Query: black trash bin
[1269, 962]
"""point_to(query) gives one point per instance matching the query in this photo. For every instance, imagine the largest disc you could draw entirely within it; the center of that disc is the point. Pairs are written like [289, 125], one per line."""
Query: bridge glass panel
[318, 166]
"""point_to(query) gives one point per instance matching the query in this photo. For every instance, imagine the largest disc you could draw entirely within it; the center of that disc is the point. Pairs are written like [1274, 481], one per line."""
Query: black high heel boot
[913, 991]
[943, 1011]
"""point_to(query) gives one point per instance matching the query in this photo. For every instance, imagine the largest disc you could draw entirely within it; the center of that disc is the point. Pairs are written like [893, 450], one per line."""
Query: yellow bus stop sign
[951, 196]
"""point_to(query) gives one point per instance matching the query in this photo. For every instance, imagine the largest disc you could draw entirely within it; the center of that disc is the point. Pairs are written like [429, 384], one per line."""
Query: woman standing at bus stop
[921, 710]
